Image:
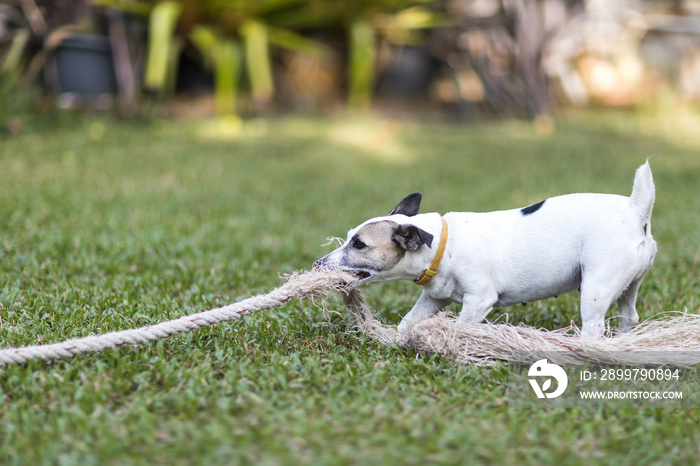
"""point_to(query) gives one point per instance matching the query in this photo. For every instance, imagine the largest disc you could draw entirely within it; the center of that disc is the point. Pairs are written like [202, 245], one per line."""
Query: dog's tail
[643, 195]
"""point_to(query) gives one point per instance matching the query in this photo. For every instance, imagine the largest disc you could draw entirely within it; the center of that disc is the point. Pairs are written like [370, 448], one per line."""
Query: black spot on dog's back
[531, 209]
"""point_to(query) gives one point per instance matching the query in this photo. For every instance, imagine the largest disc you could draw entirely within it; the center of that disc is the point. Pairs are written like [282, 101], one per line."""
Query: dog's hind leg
[424, 307]
[596, 297]
[626, 305]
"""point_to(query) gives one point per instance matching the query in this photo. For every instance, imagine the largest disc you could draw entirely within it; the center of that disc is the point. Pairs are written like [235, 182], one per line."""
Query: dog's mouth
[361, 274]
[357, 273]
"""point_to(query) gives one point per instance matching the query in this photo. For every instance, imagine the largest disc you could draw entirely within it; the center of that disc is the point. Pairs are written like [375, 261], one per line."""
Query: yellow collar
[432, 270]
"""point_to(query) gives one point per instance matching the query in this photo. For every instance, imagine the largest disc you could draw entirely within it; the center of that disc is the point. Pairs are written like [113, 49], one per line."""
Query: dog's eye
[358, 244]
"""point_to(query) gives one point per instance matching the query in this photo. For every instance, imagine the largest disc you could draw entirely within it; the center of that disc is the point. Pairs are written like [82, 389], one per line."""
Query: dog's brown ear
[409, 205]
[411, 238]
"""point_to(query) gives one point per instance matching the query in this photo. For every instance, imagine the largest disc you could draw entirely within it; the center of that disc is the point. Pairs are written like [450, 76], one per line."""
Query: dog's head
[375, 250]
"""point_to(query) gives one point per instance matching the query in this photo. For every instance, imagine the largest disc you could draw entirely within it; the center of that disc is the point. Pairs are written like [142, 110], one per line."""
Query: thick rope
[673, 341]
[303, 285]
[670, 341]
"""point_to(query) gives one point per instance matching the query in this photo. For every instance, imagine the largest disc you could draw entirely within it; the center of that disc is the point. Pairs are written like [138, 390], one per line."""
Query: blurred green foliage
[236, 40]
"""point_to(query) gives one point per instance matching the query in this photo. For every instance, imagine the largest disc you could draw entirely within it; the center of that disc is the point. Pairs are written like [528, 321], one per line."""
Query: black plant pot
[192, 78]
[409, 74]
[84, 65]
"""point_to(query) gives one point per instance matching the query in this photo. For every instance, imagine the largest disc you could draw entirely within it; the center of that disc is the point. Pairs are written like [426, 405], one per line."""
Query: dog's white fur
[600, 244]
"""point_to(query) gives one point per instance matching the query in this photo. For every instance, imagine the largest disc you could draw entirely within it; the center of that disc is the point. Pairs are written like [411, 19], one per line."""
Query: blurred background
[463, 59]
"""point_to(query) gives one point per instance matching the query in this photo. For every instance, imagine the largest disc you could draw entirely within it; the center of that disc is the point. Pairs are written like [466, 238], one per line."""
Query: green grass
[108, 225]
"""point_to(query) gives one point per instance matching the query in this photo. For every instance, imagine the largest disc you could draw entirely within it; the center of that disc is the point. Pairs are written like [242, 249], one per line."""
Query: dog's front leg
[475, 308]
[424, 307]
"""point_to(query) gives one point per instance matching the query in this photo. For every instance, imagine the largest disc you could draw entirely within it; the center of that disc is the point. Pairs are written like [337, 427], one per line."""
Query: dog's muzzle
[322, 264]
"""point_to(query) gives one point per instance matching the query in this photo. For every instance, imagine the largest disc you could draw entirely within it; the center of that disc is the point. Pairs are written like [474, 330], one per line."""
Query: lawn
[107, 225]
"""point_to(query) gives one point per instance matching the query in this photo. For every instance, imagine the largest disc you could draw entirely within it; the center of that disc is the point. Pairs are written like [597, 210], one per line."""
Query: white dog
[600, 244]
